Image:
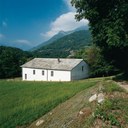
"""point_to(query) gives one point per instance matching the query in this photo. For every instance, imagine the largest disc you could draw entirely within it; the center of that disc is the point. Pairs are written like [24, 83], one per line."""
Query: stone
[81, 113]
[39, 122]
[93, 114]
[100, 98]
[93, 98]
[50, 113]
[85, 112]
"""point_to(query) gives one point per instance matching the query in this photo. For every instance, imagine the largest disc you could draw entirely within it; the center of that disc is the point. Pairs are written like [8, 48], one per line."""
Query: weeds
[114, 109]
[110, 87]
[103, 112]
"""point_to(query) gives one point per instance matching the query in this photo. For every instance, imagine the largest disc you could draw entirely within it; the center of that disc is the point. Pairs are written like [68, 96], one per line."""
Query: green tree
[98, 65]
[10, 61]
[108, 21]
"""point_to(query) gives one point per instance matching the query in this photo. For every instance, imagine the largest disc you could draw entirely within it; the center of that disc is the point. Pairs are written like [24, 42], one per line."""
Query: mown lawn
[23, 102]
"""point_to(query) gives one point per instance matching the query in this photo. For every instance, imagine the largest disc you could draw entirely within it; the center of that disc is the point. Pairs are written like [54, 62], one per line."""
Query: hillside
[78, 112]
[58, 36]
[10, 61]
[23, 46]
[54, 38]
[63, 46]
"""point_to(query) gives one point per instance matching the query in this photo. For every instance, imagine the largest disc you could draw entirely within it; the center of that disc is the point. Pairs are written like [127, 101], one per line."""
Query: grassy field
[112, 113]
[23, 102]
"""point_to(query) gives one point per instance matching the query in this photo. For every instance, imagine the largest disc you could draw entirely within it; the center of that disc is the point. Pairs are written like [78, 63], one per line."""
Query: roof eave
[47, 68]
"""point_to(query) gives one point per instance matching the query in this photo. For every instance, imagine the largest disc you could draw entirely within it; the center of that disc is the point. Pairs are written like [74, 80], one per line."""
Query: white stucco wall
[57, 75]
[37, 76]
[77, 73]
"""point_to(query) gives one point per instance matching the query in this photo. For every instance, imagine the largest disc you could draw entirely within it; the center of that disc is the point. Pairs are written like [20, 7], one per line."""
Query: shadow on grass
[121, 77]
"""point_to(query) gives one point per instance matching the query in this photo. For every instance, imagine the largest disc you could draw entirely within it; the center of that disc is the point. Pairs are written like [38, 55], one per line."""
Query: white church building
[54, 69]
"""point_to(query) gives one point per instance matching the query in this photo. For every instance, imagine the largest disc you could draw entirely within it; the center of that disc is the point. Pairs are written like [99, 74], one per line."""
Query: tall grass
[23, 102]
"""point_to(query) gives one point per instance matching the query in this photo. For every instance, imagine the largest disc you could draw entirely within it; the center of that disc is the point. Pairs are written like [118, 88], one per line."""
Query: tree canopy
[108, 21]
[98, 65]
[10, 61]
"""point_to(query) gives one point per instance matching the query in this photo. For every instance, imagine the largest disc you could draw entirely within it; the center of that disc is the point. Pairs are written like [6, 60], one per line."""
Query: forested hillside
[10, 61]
[54, 38]
[59, 35]
[62, 47]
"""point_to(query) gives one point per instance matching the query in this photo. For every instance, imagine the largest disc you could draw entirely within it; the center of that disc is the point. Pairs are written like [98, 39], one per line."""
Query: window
[34, 72]
[43, 73]
[25, 76]
[82, 68]
[52, 73]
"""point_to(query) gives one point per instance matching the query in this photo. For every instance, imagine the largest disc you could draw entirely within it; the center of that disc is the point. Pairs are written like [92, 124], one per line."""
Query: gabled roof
[52, 63]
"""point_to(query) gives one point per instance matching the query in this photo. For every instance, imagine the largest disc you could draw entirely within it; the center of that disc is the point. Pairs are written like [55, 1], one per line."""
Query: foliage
[108, 24]
[63, 46]
[23, 102]
[98, 65]
[105, 116]
[10, 61]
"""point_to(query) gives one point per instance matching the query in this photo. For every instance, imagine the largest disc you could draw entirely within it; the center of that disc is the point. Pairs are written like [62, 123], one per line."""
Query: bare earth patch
[123, 84]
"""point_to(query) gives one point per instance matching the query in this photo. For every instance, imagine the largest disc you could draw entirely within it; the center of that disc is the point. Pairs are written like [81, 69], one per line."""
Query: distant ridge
[22, 46]
[58, 36]
[65, 45]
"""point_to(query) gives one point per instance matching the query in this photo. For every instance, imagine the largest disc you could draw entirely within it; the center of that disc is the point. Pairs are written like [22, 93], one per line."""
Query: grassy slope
[112, 113]
[23, 102]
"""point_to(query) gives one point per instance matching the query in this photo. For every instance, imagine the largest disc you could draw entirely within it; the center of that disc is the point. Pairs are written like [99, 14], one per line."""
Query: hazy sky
[33, 21]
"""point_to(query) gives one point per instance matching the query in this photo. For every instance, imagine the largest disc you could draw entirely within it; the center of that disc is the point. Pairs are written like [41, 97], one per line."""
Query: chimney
[59, 60]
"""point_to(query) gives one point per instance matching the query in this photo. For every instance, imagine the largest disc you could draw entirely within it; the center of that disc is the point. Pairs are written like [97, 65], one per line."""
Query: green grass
[23, 102]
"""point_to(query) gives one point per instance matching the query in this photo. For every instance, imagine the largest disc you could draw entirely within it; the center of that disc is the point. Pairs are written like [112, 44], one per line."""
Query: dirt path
[66, 115]
[123, 84]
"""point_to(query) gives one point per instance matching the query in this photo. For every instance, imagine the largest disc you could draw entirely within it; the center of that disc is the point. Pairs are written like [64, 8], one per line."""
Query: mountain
[23, 46]
[81, 28]
[58, 36]
[65, 45]
[54, 38]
